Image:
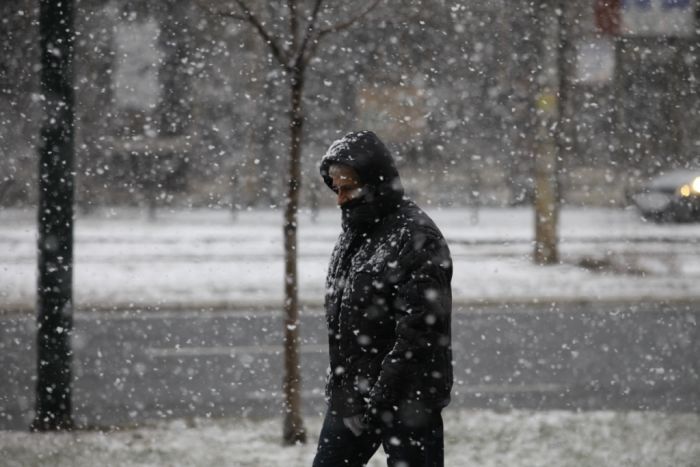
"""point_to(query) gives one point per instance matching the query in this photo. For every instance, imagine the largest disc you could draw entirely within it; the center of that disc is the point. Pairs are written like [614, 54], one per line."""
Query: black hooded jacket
[388, 296]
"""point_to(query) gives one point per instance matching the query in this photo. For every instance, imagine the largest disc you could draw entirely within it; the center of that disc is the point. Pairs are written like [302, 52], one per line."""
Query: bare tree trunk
[293, 430]
[55, 245]
[547, 148]
[545, 199]
[293, 59]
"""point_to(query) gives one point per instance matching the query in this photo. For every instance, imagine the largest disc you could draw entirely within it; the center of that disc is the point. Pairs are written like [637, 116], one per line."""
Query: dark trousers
[407, 441]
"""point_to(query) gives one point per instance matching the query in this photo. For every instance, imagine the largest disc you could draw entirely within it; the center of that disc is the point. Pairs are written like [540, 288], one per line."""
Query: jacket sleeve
[422, 301]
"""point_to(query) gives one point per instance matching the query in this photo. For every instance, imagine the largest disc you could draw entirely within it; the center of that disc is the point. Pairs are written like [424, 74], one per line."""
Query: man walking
[388, 303]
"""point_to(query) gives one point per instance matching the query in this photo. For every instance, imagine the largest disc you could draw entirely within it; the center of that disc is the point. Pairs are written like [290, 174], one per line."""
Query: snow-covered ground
[205, 258]
[472, 438]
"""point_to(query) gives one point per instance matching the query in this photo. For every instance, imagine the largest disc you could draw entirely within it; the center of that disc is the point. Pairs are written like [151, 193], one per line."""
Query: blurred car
[673, 196]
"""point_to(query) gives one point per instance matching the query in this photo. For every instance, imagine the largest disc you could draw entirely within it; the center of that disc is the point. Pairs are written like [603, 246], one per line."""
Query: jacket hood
[365, 152]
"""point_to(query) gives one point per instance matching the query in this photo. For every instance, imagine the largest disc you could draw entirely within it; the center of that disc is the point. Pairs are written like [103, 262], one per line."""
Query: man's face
[346, 183]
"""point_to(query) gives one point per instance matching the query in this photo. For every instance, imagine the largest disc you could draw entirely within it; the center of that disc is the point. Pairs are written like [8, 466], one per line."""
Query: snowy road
[130, 366]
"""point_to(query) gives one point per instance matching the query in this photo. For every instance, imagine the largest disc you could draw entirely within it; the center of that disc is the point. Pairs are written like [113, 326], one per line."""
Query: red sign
[607, 16]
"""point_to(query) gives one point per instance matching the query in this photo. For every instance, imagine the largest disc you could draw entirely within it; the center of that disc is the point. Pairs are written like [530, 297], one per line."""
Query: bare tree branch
[310, 28]
[276, 50]
[231, 14]
[311, 52]
[341, 26]
[249, 17]
[316, 38]
[224, 13]
[293, 24]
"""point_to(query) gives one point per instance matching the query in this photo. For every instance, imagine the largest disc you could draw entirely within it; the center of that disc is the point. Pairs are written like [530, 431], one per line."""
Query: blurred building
[180, 106]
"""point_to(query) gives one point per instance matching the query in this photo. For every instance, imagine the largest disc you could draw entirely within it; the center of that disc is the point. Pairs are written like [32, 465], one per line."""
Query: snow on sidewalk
[202, 258]
[472, 438]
